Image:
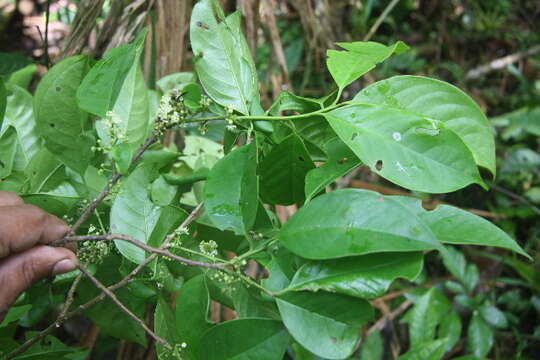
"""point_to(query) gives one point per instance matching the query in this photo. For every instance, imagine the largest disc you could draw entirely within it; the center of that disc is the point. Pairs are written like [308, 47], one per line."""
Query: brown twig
[501, 63]
[69, 298]
[140, 244]
[122, 307]
[379, 325]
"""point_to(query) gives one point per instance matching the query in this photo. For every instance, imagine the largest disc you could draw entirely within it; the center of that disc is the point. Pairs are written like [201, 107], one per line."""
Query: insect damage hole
[379, 165]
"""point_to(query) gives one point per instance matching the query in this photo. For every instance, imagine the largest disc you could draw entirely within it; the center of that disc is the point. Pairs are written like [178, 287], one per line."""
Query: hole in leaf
[51, 125]
[201, 25]
[301, 158]
[58, 88]
[333, 339]
[354, 135]
[379, 165]
[429, 205]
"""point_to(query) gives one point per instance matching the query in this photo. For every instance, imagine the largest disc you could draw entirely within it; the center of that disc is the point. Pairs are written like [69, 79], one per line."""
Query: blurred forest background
[488, 48]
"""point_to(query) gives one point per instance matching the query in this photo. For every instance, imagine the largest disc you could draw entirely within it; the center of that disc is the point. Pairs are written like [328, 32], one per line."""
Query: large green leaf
[432, 350]
[133, 213]
[20, 115]
[192, 306]
[440, 101]
[10, 63]
[283, 171]
[101, 87]
[406, 148]
[245, 339]
[231, 189]
[60, 122]
[44, 172]
[480, 337]
[367, 276]
[326, 324]
[354, 222]
[340, 161]
[358, 59]
[452, 225]
[3, 100]
[222, 57]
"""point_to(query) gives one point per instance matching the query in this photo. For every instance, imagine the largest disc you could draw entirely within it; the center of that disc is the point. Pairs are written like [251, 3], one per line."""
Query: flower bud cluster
[171, 111]
[93, 252]
[173, 353]
[209, 248]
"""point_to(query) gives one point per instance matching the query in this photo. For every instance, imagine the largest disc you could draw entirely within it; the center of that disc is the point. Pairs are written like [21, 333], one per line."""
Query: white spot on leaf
[396, 136]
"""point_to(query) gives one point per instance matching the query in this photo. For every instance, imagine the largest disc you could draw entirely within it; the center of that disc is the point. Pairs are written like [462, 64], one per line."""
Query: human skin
[25, 231]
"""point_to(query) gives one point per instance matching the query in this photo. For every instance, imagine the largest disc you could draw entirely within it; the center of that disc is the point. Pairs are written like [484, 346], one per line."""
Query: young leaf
[340, 161]
[133, 213]
[358, 59]
[441, 101]
[493, 316]
[245, 339]
[8, 151]
[20, 115]
[480, 336]
[192, 305]
[231, 190]
[326, 324]
[367, 276]
[59, 120]
[450, 329]
[222, 58]
[406, 148]
[283, 171]
[354, 222]
[423, 320]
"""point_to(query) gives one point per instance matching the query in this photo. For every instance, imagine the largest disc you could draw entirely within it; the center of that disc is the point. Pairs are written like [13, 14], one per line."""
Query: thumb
[20, 270]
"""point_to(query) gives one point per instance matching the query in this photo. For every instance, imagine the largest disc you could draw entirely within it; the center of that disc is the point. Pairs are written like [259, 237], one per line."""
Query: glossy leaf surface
[406, 148]
[231, 190]
[366, 277]
[354, 222]
[440, 101]
[331, 332]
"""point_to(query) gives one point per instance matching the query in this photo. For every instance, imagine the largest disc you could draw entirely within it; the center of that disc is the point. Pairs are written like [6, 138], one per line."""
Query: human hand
[24, 257]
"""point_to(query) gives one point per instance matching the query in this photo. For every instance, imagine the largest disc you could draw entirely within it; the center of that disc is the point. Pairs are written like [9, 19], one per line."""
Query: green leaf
[358, 59]
[283, 171]
[165, 327]
[326, 324]
[231, 189]
[59, 120]
[133, 213]
[423, 320]
[10, 63]
[248, 303]
[493, 316]
[8, 151]
[480, 336]
[222, 58]
[58, 201]
[340, 161]
[366, 277]
[373, 347]
[354, 222]
[102, 86]
[15, 313]
[20, 115]
[45, 172]
[455, 262]
[450, 329]
[406, 148]
[162, 192]
[440, 101]
[175, 80]
[192, 306]
[432, 350]
[3, 100]
[245, 339]
[122, 154]
[452, 225]
[23, 77]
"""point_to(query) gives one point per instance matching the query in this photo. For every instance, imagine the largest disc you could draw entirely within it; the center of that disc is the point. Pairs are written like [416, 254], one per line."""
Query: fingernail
[63, 266]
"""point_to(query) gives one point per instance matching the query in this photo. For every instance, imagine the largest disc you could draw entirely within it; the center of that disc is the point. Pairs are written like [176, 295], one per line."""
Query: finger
[19, 271]
[8, 198]
[23, 226]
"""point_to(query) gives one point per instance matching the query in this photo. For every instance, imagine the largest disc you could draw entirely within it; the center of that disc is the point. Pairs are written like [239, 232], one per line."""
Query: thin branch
[69, 298]
[515, 196]
[140, 244]
[87, 213]
[126, 280]
[380, 19]
[122, 307]
[379, 325]
[501, 63]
